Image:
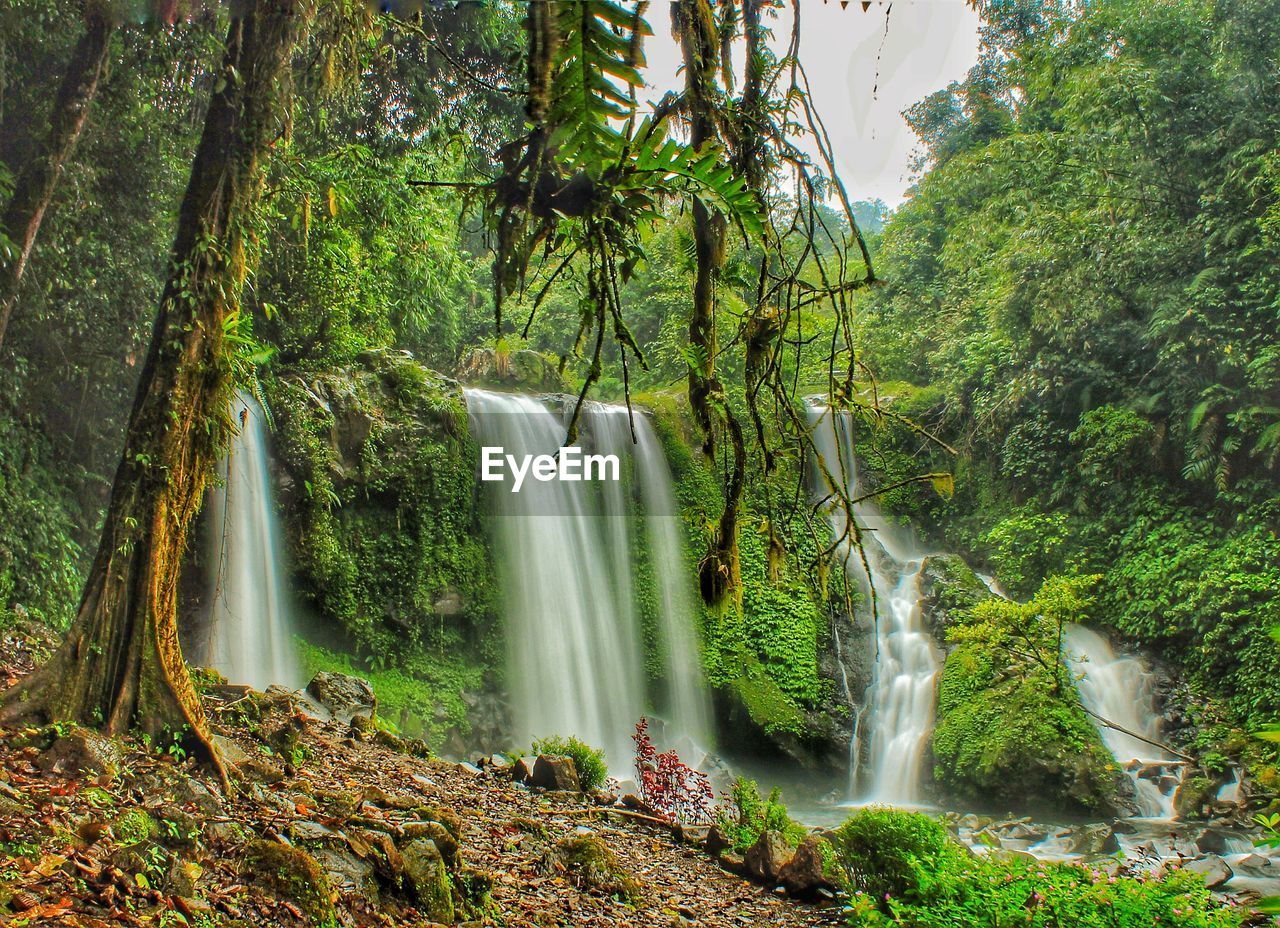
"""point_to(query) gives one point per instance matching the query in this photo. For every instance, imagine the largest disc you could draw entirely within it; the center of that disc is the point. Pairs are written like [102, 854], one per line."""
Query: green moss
[293, 875]
[384, 525]
[587, 863]
[762, 648]
[420, 699]
[429, 880]
[588, 762]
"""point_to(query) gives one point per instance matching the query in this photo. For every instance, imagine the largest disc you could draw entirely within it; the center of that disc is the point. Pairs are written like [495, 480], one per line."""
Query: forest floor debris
[331, 824]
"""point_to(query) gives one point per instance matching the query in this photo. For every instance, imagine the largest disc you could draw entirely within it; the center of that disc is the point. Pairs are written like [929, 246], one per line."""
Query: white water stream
[251, 624]
[899, 703]
[566, 563]
[1119, 688]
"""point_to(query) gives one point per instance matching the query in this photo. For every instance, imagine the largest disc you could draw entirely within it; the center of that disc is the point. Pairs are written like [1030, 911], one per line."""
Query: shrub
[888, 853]
[903, 869]
[746, 816]
[668, 785]
[589, 761]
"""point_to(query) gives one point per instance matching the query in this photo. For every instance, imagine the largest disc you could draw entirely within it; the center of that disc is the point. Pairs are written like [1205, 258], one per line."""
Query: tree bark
[121, 665]
[38, 180]
[718, 572]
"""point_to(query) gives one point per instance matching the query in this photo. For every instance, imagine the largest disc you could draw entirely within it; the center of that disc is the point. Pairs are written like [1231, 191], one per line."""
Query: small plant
[745, 816]
[668, 785]
[588, 761]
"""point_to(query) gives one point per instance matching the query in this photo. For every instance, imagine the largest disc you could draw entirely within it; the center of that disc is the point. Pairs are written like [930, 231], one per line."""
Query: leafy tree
[121, 664]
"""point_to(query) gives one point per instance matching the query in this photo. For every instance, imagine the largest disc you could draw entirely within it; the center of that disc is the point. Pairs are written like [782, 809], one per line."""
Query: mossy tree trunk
[695, 24]
[38, 180]
[121, 665]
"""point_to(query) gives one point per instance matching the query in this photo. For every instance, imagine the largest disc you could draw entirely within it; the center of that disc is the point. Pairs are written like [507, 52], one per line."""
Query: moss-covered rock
[948, 588]
[763, 652]
[586, 862]
[428, 880]
[294, 876]
[523, 369]
[1010, 728]
[381, 503]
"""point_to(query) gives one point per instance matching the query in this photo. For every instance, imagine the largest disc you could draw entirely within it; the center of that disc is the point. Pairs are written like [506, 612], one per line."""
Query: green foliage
[888, 852]
[1085, 278]
[763, 649]
[747, 815]
[588, 761]
[902, 868]
[385, 531]
[41, 563]
[1009, 722]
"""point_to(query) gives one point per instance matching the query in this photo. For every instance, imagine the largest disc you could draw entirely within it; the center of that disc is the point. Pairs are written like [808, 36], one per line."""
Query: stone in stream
[1093, 839]
[765, 859]
[555, 772]
[345, 697]
[1254, 861]
[1214, 869]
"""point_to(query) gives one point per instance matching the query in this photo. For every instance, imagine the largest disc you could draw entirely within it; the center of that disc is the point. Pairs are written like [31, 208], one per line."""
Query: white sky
[863, 76]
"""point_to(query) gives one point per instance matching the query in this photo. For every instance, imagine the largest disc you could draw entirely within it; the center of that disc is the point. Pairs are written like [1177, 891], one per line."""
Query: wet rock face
[1214, 869]
[948, 587]
[345, 697]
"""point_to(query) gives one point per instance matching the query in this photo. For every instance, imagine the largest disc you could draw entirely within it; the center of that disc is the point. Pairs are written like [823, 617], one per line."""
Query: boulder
[1091, 840]
[521, 770]
[428, 879]
[1211, 841]
[805, 873]
[555, 771]
[82, 753]
[586, 862]
[765, 859]
[443, 839]
[717, 841]
[345, 697]
[1213, 868]
[294, 876]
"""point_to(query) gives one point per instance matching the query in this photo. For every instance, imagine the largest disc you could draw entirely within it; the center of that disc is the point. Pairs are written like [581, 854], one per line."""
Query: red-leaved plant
[669, 786]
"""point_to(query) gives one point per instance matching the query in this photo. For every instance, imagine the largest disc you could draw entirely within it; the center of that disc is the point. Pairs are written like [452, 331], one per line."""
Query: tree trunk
[718, 572]
[121, 665]
[38, 180]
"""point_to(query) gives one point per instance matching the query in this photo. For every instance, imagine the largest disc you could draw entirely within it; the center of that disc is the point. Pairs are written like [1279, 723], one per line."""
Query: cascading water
[251, 622]
[1119, 689]
[565, 564]
[689, 708]
[900, 700]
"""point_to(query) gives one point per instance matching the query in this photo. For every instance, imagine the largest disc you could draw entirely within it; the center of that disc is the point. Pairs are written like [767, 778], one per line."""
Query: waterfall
[565, 562]
[899, 703]
[1120, 689]
[689, 708]
[251, 623]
